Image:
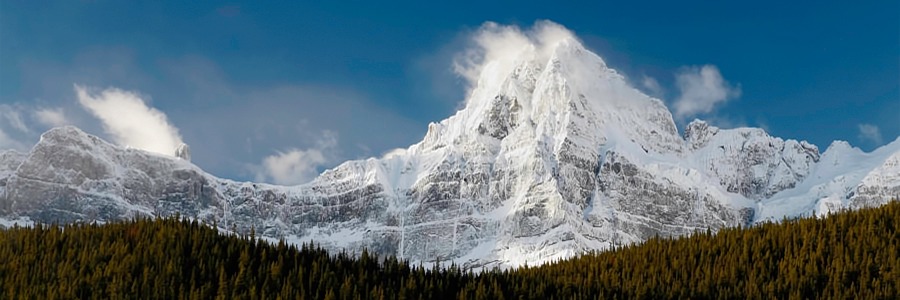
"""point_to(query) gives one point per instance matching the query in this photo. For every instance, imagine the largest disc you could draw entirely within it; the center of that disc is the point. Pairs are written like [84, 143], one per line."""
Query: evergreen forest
[849, 255]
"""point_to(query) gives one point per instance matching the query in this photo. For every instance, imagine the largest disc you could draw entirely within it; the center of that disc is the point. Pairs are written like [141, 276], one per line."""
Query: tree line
[851, 254]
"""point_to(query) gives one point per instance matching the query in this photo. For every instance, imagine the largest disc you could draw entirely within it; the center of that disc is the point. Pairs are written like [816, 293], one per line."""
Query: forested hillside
[848, 255]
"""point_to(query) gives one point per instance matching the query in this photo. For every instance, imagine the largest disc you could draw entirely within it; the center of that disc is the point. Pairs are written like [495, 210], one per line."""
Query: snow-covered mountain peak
[841, 148]
[553, 154]
[68, 135]
[555, 92]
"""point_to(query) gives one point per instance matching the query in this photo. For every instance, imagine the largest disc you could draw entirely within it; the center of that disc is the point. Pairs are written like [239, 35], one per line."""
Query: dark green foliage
[848, 255]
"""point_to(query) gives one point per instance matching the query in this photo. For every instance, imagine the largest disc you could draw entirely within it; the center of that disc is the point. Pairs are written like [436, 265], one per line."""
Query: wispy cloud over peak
[51, 117]
[129, 121]
[12, 115]
[651, 85]
[500, 46]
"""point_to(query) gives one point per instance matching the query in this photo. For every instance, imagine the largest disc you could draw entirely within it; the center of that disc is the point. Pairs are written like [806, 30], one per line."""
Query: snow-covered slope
[553, 154]
[845, 177]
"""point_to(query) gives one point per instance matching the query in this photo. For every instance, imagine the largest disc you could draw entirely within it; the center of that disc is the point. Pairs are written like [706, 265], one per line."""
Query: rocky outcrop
[183, 152]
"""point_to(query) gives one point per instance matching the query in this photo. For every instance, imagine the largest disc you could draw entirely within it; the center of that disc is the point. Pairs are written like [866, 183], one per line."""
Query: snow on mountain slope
[553, 154]
[845, 177]
[748, 161]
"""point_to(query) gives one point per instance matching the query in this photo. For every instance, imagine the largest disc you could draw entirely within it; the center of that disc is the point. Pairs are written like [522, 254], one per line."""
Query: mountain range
[553, 154]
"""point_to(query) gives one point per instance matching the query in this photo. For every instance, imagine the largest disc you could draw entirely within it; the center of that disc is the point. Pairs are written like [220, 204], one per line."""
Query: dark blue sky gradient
[809, 70]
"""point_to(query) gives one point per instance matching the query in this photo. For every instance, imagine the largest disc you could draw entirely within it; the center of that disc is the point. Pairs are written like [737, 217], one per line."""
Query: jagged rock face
[551, 158]
[183, 152]
[698, 133]
[748, 161]
[667, 210]
[879, 186]
[71, 176]
[9, 162]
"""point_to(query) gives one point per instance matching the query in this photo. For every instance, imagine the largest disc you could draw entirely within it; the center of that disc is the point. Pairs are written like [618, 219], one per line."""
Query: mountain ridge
[554, 154]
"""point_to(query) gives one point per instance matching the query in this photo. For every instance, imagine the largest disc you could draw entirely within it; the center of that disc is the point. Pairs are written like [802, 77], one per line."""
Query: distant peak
[72, 137]
[67, 129]
[839, 146]
[63, 132]
[698, 133]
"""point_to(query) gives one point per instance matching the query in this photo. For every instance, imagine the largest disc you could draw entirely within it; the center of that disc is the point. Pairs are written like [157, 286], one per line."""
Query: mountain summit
[552, 155]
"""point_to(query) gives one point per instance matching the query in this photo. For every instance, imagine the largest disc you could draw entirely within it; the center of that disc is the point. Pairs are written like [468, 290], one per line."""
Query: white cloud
[394, 152]
[226, 113]
[12, 114]
[17, 123]
[871, 133]
[652, 86]
[702, 88]
[7, 142]
[498, 46]
[12, 127]
[130, 121]
[51, 117]
[298, 166]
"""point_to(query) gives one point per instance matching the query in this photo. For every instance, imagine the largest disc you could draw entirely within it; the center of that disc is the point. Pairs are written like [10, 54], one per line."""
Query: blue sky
[253, 85]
